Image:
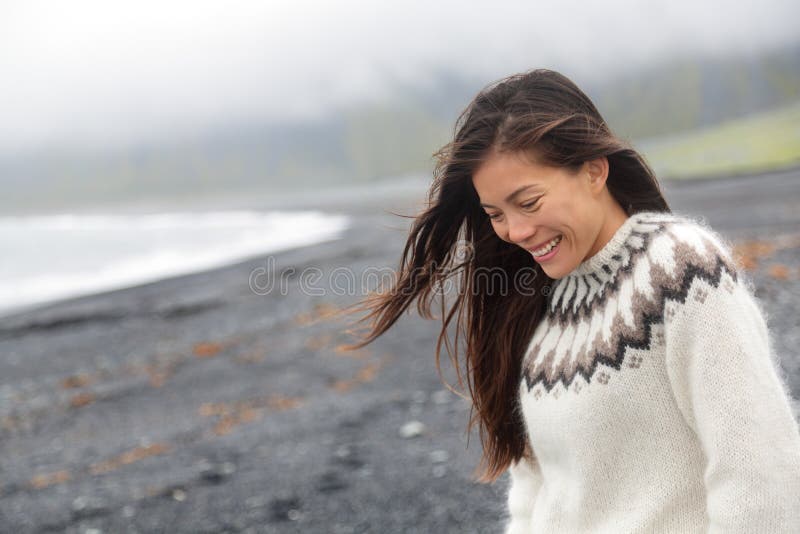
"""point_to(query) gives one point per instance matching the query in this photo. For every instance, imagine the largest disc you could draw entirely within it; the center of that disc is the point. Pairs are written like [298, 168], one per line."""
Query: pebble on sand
[412, 429]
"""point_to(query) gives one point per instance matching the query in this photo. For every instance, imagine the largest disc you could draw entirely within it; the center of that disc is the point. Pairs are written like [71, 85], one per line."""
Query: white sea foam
[51, 257]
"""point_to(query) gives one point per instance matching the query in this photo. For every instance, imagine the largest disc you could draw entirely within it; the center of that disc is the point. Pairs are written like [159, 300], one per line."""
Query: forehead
[501, 174]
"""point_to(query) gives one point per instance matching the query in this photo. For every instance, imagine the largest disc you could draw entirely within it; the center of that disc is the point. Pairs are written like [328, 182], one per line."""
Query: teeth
[548, 247]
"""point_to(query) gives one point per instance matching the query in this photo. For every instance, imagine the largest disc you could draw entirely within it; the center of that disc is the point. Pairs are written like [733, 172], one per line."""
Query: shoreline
[195, 404]
[406, 198]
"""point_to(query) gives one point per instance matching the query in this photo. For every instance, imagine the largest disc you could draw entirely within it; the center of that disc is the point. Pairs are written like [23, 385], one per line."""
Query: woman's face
[530, 204]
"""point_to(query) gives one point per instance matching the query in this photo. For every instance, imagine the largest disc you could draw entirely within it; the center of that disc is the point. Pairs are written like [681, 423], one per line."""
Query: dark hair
[543, 112]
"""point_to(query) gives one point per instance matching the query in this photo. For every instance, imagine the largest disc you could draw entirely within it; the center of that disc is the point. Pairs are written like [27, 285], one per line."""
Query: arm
[726, 383]
[525, 479]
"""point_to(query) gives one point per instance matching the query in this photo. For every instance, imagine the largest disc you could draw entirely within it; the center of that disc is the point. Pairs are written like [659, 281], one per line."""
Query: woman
[620, 368]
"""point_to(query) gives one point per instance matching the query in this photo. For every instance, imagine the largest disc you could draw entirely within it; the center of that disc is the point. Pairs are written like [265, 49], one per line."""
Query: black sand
[197, 405]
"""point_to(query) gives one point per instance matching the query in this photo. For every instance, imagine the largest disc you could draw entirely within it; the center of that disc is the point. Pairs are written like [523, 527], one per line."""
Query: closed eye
[527, 205]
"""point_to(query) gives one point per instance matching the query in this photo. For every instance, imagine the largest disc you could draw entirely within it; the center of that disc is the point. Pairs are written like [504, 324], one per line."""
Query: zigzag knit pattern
[652, 398]
[620, 295]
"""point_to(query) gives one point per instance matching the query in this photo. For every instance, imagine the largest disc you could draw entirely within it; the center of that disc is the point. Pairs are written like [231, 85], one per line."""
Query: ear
[598, 173]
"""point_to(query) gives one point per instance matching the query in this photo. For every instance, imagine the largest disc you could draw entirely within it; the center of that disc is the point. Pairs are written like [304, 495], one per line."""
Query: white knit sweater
[652, 398]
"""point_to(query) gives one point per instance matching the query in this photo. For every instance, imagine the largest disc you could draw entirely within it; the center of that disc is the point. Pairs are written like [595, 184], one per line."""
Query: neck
[615, 217]
[628, 241]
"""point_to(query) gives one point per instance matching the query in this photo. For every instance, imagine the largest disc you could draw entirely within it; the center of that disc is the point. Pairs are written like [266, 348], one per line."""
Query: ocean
[57, 256]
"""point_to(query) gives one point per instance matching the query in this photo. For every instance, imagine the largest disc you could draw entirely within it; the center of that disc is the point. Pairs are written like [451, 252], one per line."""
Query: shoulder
[694, 271]
[697, 273]
[685, 246]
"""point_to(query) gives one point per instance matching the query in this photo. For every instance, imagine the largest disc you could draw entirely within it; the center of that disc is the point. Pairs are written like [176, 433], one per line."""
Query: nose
[519, 230]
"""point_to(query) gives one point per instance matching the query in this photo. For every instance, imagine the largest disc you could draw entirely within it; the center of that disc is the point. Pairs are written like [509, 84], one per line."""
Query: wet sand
[200, 404]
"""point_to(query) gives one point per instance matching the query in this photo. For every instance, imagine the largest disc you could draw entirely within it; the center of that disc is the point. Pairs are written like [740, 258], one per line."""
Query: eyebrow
[510, 197]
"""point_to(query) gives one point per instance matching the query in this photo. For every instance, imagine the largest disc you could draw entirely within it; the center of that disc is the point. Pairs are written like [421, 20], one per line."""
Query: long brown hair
[539, 111]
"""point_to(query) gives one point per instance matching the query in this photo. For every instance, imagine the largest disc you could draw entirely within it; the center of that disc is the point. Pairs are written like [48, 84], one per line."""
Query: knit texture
[652, 398]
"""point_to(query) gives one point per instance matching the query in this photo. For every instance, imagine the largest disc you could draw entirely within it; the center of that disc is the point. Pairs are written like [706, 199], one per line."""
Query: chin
[555, 275]
[557, 271]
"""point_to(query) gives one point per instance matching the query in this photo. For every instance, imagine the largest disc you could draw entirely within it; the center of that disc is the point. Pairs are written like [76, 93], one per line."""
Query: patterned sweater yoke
[651, 395]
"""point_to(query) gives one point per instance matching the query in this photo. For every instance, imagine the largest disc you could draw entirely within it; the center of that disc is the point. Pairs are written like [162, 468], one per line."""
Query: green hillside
[762, 141]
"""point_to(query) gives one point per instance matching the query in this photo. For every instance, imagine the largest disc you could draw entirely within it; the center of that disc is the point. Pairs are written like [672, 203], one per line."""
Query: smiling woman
[559, 215]
[633, 387]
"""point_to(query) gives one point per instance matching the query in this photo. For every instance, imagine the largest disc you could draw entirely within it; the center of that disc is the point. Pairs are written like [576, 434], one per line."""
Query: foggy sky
[99, 72]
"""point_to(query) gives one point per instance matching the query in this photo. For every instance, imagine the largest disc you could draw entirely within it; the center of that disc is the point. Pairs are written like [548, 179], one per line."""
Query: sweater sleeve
[726, 382]
[526, 479]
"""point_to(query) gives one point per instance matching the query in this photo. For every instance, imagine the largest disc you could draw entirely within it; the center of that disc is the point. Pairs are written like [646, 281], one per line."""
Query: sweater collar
[608, 255]
[602, 268]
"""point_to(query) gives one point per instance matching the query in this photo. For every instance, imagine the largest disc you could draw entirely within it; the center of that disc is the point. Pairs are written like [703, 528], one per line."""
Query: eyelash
[523, 206]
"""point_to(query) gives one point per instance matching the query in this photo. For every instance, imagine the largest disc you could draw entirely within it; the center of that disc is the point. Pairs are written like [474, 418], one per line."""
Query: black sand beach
[196, 404]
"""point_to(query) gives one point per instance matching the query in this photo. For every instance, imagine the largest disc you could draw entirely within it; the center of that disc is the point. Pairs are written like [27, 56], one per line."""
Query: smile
[547, 248]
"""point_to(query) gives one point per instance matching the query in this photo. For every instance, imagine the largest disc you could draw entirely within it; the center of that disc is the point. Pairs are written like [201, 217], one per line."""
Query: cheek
[567, 221]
